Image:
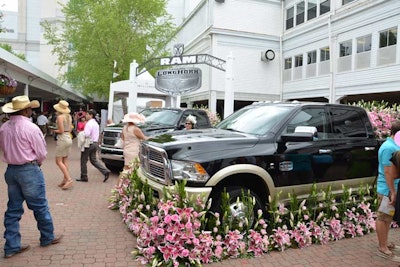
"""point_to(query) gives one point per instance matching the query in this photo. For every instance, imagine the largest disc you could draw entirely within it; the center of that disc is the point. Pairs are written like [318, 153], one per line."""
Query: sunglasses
[188, 123]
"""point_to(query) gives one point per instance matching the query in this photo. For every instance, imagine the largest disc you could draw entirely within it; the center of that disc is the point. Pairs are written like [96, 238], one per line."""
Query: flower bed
[177, 230]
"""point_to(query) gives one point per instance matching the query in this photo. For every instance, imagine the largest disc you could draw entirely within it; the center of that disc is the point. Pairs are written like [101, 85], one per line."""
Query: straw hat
[62, 107]
[134, 118]
[19, 103]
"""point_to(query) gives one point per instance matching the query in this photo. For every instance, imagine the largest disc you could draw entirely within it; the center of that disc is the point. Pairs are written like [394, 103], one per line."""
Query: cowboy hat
[19, 103]
[133, 117]
[62, 107]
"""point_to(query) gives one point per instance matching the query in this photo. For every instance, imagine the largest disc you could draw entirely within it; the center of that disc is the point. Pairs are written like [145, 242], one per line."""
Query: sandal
[62, 184]
[67, 185]
[393, 247]
[388, 255]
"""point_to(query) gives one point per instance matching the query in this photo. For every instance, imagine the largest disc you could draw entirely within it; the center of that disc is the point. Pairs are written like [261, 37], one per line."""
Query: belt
[33, 162]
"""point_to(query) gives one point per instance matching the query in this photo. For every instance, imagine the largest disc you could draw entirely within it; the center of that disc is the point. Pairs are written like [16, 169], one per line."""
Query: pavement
[96, 236]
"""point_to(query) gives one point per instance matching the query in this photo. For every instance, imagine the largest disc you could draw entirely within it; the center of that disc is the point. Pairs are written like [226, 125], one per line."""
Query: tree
[96, 33]
[8, 48]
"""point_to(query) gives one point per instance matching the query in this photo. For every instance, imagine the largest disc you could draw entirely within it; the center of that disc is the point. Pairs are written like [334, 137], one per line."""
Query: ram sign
[178, 81]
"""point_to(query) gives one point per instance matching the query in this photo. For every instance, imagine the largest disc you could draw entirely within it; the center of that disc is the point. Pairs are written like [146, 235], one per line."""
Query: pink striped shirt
[22, 141]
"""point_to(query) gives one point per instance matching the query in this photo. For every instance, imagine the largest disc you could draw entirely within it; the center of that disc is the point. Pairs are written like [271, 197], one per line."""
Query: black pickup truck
[158, 120]
[266, 149]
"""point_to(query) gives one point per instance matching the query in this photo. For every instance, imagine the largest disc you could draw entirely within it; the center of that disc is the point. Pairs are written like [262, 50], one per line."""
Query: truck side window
[347, 123]
[311, 116]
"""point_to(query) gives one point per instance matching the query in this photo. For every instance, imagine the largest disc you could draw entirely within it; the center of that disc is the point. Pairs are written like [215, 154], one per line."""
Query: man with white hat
[24, 149]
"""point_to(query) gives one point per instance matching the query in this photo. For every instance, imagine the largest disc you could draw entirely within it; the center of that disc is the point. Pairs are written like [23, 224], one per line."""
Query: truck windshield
[163, 116]
[255, 120]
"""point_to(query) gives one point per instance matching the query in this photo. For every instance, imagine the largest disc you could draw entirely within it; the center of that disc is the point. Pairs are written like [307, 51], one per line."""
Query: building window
[311, 57]
[311, 66]
[344, 2]
[287, 73]
[312, 9]
[324, 54]
[300, 13]
[387, 46]
[289, 18]
[364, 44]
[288, 63]
[363, 57]
[324, 7]
[298, 61]
[345, 49]
[388, 37]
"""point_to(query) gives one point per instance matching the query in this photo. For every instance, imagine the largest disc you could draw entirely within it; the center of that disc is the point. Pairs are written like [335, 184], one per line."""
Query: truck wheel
[239, 211]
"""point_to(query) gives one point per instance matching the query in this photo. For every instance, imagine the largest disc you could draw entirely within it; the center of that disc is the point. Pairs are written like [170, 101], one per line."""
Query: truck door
[355, 153]
[307, 162]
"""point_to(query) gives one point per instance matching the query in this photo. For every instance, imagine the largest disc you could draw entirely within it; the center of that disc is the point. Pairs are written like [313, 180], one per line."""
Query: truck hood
[147, 128]
[191, 145]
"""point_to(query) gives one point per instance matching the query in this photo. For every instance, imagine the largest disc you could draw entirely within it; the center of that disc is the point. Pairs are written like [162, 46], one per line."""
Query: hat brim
[8, 108]
[133, 121]
[61, 110]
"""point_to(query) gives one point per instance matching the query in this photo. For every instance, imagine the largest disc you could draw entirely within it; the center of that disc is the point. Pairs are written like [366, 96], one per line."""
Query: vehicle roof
[298, 103]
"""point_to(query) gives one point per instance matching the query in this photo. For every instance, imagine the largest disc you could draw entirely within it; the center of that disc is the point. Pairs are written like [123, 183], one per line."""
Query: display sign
[178, 81]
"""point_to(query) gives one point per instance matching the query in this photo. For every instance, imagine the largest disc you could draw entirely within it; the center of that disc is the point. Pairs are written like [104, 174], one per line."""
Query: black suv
[266, 149]
[158, 120]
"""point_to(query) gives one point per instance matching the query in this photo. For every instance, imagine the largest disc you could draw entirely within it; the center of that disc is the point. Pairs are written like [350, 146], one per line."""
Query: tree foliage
[8, 48]
[95, 33]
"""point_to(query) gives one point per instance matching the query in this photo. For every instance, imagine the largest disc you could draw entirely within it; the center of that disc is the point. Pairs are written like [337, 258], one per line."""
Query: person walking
[42, 122]
[92, 132]
[64, 141]
[386, 187]
[24, 150]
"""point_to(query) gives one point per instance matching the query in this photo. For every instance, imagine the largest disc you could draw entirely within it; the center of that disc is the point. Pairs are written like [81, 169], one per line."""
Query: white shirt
[42, 120]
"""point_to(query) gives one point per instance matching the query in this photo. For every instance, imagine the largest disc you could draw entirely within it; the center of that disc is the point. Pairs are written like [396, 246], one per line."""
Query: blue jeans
[26, 183]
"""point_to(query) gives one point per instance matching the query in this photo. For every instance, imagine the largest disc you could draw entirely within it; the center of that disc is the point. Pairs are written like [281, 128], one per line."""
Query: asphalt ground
[96, 236]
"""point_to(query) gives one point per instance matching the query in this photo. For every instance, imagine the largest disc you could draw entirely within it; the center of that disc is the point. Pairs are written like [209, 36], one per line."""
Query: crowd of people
[22, 141]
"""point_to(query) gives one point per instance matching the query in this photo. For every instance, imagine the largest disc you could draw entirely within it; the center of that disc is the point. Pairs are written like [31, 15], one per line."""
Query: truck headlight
[188, 170]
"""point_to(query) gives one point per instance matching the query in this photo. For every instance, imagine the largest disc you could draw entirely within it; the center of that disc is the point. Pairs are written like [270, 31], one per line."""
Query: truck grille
[110, 137]
[154, 163]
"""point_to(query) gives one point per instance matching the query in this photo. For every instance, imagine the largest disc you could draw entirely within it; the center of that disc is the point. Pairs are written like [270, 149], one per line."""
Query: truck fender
[245, 169]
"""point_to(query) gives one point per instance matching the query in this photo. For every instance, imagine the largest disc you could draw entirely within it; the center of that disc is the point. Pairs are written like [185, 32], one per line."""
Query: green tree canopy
[96, 33]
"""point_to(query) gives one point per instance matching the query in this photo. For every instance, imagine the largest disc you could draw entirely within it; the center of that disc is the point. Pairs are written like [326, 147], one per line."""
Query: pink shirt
[92, 130]
[22, 141]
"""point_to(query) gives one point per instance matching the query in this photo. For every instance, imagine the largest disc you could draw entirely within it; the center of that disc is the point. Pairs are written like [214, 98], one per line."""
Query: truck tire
[238, 209]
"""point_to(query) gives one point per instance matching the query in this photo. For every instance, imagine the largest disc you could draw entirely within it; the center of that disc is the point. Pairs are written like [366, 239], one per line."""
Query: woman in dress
[64, 141]
[132, 135]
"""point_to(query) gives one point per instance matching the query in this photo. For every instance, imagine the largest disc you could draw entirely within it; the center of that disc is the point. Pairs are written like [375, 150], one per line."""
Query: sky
[9, 5]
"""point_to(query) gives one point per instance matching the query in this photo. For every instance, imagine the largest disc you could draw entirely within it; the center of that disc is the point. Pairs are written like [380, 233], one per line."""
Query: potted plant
[7, 85]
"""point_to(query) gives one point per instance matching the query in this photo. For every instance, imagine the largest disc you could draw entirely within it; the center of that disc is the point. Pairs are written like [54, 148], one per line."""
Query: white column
[110, 102]
[229, 92]
[26, 90]
[132, 95]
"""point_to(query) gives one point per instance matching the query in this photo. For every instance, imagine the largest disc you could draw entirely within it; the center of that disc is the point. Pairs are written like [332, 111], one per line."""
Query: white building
[325, 50]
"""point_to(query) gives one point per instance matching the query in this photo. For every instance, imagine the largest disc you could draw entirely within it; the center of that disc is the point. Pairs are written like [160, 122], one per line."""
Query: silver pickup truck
[158, 121]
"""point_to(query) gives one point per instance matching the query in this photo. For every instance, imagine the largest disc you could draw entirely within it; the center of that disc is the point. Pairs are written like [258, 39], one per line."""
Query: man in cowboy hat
[24, 150]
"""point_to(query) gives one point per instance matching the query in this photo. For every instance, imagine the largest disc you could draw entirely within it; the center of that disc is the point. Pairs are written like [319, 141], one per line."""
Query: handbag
[119, 143]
